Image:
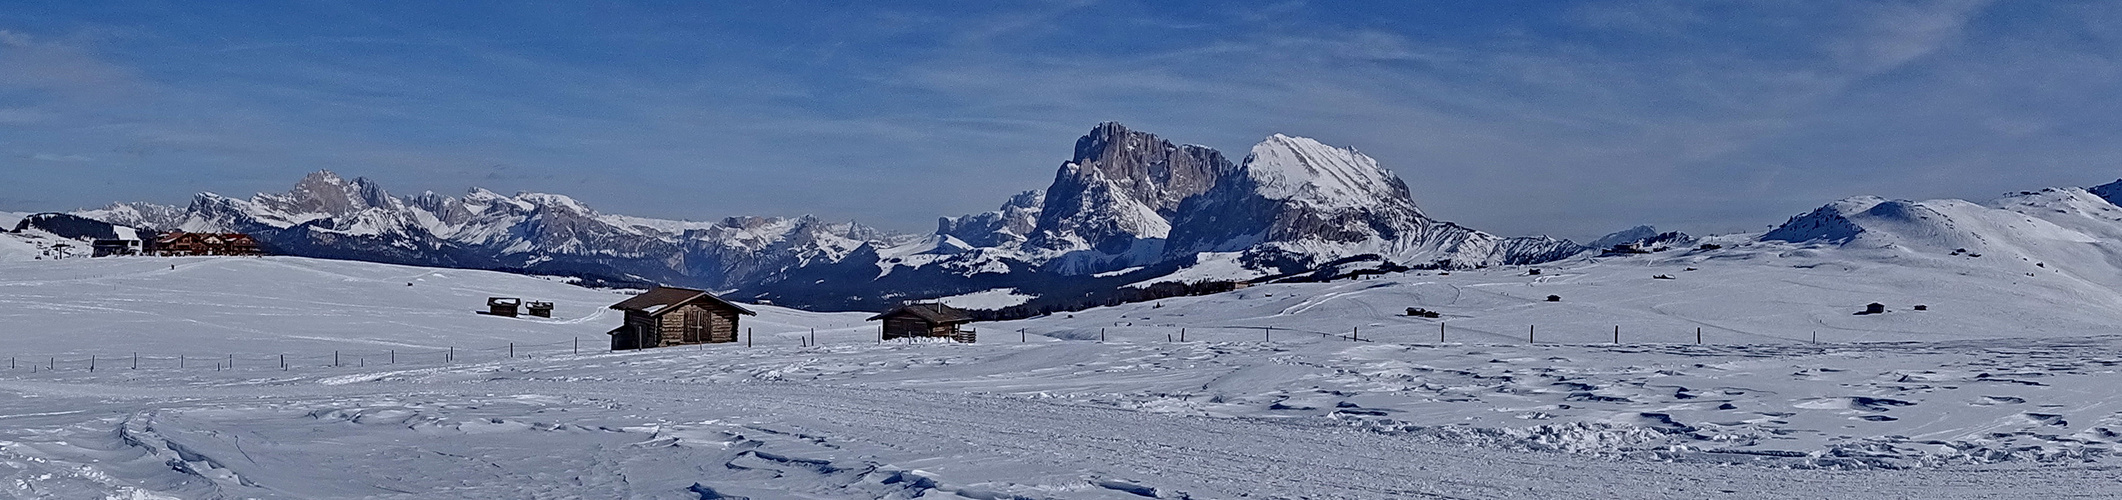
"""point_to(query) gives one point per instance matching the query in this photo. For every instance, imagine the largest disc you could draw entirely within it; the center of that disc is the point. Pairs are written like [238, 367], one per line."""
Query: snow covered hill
[1126, 201]
[2068, 235]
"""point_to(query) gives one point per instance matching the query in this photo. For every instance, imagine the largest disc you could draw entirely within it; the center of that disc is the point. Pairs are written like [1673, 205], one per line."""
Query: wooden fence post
[1101, 334]
[1698, 335]
[1182, 334]
[1529, 334]
[1617, 334]
[136, 361]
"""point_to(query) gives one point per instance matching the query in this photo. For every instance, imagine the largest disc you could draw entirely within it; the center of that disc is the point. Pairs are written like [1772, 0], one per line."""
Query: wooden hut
[540, 309]
[925, 320]
[502, 306]
[1874, 308]
[668, 316]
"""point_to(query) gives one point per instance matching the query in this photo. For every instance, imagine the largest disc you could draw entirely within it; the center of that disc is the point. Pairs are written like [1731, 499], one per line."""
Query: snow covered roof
[664, 298]
[932, 313]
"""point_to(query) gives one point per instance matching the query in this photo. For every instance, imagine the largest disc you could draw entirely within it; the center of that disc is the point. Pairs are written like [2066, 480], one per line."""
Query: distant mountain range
[1127, 211]
[1129, 208]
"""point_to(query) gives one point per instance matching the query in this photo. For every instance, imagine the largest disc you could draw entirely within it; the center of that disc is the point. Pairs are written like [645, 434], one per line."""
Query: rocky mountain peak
[1140, 166]
[324, 192]
[1004, 227]
[1116, 197]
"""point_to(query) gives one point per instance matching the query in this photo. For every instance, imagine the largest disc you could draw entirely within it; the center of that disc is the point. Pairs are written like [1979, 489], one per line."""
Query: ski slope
[1898, 405]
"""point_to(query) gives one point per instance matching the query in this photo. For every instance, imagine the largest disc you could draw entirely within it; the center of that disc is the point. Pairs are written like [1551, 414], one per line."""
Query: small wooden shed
[925, 320]
[502, 306]
[540, 309]
[668, 316]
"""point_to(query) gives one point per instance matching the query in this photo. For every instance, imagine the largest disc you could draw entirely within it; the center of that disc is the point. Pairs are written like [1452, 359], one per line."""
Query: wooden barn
[205, 244]
[502, 306]
[925, 320]
[668, 316]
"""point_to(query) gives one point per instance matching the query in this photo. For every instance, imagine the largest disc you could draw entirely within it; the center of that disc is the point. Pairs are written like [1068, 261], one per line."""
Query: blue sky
[1563, 118]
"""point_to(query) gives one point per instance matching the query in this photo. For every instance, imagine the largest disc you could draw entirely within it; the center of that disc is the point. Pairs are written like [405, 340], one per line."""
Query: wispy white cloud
[55, 157]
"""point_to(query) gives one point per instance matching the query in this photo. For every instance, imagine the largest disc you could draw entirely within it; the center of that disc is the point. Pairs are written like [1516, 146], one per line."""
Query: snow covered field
[1994, 392]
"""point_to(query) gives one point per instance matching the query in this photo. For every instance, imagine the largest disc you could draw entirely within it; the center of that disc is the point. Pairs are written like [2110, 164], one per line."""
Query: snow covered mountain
[1296, 204]
[1127, 208]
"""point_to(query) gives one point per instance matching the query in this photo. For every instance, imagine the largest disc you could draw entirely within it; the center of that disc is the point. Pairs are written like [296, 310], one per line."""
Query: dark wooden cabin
[540, 309]
[502, 306]
[668, 316]
[925, 320]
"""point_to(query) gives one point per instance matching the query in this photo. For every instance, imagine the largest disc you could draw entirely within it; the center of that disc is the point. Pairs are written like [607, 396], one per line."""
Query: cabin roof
[663, 299]
[932, 313]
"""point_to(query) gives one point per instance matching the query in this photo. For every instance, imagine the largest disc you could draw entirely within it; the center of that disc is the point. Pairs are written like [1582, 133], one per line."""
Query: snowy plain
[1993, 392]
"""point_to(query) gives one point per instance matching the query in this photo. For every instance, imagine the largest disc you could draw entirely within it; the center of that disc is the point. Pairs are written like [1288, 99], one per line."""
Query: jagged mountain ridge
[1128, 207]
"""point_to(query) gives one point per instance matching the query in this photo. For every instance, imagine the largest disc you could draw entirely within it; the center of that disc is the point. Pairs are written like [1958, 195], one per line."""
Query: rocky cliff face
[1112, 205]
[1128, 207]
